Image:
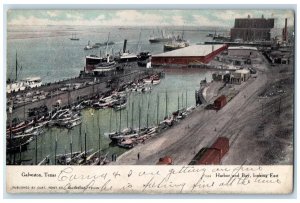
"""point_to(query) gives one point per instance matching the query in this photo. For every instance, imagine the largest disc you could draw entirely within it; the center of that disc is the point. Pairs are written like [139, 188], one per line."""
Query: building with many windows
[252, 29]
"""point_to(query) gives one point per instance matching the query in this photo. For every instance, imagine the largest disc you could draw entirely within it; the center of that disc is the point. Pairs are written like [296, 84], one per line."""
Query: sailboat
[74, 37]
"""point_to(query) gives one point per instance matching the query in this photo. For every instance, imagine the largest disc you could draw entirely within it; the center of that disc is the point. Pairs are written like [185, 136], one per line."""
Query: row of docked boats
[78, 158]
[21, 134]
[88, 157]
[18, 136]
[129, 137]
[65, 118]
[118, 99]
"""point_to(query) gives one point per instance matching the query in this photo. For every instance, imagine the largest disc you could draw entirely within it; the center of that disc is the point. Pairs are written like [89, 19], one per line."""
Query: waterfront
[49, 53]
[178, 85]
[53, 56]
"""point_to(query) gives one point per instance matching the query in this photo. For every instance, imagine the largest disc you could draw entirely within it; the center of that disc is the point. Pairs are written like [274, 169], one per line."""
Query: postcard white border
[88, 1]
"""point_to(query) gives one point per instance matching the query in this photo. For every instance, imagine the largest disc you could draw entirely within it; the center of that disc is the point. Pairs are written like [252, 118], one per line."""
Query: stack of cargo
[214, 154]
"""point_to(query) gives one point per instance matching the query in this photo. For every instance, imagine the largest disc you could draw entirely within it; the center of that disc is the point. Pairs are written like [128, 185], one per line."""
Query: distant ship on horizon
[74, 37]
[178, 43]
[160, 39]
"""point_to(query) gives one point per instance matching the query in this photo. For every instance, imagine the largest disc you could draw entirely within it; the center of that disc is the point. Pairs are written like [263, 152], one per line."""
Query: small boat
[118, 107]
[88, 46]
[73, 123]
[78, 107]
[33, 128]
[117, 138]
[31, 134]
[93, 159]
[101, 104]
[190, 109]
[65, 159]
[152, 130]
[168, 121]
[19, 127]
[77, 158]
[112, 134]
[127, 144]
[119, 94]
[105, 43]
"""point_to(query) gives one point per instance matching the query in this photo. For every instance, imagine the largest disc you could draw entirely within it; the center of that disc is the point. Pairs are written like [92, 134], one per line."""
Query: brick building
[252, 29]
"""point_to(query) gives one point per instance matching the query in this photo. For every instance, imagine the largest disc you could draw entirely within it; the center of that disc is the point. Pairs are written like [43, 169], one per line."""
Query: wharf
[80, 88]
[253, 44]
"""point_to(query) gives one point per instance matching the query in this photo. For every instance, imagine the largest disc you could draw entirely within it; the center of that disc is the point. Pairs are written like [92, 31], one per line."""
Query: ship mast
[16, 66]
[107, 44]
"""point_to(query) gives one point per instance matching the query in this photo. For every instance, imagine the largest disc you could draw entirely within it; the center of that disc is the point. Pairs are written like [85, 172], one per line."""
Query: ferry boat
[126, 56]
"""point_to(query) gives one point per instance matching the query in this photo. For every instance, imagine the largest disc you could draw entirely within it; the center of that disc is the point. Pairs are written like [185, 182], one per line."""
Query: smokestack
[124, 46]
[107, 58]
[285, 30]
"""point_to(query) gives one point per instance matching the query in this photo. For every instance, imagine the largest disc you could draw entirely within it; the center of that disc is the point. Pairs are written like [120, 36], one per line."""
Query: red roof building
[196, 54]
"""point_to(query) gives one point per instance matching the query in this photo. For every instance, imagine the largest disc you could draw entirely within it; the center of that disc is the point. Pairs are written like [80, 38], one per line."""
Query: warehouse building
[243, 51]
[252, 29]
[240, 76]
[196, 54]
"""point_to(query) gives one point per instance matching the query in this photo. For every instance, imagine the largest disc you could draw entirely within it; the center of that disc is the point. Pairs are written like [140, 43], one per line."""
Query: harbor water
[57, 57]
[47, 51]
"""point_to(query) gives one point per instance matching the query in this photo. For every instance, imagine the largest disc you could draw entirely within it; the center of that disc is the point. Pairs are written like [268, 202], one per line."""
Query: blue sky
[141, 17]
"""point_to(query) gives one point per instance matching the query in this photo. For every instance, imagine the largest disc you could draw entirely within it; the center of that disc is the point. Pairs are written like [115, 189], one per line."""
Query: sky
[221, 18]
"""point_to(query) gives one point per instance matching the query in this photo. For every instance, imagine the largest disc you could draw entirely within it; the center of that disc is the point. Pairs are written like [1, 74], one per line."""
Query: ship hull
[160, 40]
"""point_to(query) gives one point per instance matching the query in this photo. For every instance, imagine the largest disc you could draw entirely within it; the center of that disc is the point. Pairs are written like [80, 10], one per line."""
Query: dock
[72, 91]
